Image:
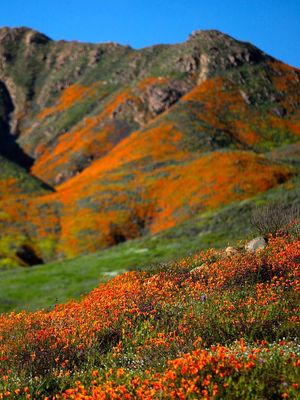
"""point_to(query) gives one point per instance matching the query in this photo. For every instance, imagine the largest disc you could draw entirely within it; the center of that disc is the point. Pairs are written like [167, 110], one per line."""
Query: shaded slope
[15, 181]
[8, 145]
[19, 197]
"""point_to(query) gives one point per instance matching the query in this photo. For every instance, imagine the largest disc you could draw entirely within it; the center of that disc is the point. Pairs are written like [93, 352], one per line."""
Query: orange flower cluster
[126, 339]
[201, 374]
[68, 98]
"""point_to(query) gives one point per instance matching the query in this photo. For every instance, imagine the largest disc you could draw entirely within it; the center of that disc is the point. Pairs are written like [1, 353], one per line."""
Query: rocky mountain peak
[22, 34]
[217, 42]
[208, 34]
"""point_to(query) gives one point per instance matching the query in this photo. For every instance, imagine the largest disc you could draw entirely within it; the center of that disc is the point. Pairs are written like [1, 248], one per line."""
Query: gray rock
[160, 99]
[197, 270]
[230, 251]
[256, 244]
[245, 97]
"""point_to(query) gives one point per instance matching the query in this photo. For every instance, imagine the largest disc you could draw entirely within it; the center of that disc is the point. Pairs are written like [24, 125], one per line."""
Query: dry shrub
[276, 218]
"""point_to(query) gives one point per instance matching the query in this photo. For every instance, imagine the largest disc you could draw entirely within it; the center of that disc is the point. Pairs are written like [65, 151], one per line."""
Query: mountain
[115, 143]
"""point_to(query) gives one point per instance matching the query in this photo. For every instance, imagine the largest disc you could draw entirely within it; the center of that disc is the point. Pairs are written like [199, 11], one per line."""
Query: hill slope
[137, 141]
[209, 327]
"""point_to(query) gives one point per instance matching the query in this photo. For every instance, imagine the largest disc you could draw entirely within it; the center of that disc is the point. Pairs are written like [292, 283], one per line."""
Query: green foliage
[25, 183]
[8, 263]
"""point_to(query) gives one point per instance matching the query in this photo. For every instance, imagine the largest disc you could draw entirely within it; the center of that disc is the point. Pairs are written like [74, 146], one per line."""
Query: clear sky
[272, 25]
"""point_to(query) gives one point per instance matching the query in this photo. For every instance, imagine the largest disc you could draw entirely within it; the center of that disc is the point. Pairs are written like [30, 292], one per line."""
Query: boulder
[256, 244]
[160, 99]
[230, 251]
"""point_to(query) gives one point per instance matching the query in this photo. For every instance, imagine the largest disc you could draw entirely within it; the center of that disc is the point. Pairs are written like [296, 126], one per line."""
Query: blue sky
[272, 25]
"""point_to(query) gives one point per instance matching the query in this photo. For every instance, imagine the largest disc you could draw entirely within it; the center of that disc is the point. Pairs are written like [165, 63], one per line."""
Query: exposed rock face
[188, 63]
[204, 62]
[34, 37]
[22, 34]
[160, 99]
[256, 244]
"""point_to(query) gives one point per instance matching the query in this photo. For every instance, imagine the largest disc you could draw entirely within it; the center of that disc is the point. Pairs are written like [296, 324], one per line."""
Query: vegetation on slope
[43, 286]
[35, 287]
[17, 187]
[14, 180]
[209, 327]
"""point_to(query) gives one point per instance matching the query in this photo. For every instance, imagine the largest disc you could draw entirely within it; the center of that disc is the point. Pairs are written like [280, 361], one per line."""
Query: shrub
[276, 218]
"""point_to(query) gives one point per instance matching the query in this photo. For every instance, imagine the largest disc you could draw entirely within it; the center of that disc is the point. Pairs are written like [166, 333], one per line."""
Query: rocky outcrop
[255, 244]
[160, 98]
[204, 62]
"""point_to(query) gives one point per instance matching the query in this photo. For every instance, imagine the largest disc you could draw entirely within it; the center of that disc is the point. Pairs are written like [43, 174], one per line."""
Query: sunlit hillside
[212, 326]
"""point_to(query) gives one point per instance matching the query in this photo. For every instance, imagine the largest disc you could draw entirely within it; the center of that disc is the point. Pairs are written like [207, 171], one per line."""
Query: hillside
[133, 142]
[57, 282]
[209, 326]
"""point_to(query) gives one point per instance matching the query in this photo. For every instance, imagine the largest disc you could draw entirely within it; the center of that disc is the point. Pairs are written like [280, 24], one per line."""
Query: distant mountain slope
[19, 191]
[137, 141]
[15, 180]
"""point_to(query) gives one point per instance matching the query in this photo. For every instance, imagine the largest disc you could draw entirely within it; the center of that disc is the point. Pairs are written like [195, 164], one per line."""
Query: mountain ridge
[4, 30]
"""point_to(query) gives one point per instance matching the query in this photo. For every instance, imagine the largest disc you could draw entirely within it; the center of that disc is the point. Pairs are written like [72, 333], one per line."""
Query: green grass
[43, 286]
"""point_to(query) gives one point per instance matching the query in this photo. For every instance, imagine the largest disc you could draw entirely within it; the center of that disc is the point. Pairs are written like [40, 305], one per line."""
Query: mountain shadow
[9, 148]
